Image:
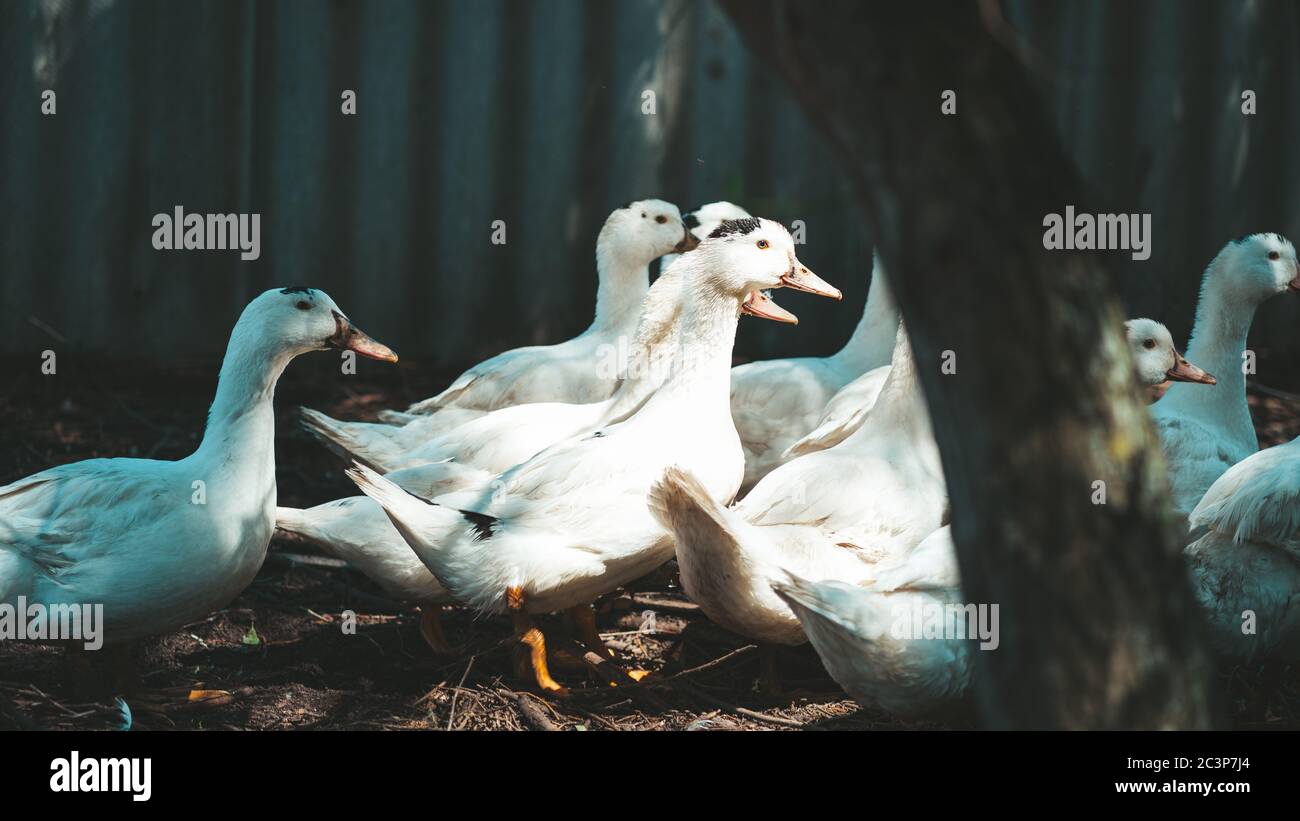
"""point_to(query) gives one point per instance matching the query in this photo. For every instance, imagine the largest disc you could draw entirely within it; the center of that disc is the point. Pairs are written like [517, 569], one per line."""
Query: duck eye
[303, 305]
[762, 243]
[1273, 255]
[1148, 343]
[661, 219]
[642, 215]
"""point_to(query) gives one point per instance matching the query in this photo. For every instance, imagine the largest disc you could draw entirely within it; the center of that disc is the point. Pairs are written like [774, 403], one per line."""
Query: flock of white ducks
[546, 477]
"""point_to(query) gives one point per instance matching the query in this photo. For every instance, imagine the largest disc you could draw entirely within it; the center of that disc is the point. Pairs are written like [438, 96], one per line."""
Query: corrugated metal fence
[531, 112]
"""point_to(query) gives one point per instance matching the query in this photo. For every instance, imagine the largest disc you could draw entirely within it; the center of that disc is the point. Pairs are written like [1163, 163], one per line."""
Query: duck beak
[350, 338]
[759, 304]
[801, 279]
[1184, 371]
[688, 243]
[1294, 284]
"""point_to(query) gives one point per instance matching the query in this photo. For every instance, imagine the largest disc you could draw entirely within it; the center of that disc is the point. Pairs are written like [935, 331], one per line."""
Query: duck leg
[584, 623]
[431, 630]
[530, 636]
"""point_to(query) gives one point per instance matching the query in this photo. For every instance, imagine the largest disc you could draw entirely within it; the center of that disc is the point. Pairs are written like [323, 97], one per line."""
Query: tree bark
[1098, 627]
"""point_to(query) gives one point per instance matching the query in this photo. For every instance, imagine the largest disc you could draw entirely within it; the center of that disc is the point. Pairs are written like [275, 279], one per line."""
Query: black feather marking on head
[738, 227]
[484, 525]
[296, 289]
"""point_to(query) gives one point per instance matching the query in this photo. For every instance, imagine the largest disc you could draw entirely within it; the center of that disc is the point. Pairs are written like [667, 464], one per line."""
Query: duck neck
[701, 371]
[1217, 344]
[623, 279]
[241, 421]
[653, 350]
[873, 340]
[900, 405]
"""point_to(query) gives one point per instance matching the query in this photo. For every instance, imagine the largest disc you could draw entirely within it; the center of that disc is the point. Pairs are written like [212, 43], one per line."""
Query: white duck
[1204, 432]
[571, 523]
[1245, 560]
[357, 530]
[860, 635]
[504, 438]
[856, 629]
[632, 238]
[160, 544]
[830, 515]
[727, 564]
[885, 477]
[776, 402]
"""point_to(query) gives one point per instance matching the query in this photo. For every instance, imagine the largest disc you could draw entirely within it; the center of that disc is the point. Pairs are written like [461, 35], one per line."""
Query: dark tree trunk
[1098, 627]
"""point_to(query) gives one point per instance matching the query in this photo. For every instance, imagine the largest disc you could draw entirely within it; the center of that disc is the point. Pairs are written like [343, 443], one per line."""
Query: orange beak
[802, 279]
[348, 337]
[759, 304]
[1184, 371]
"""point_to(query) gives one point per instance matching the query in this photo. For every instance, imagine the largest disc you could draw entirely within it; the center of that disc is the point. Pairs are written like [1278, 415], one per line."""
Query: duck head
[1156, 358]
[1259, 266]
[757, 254]
[301, 319]
[645, 230]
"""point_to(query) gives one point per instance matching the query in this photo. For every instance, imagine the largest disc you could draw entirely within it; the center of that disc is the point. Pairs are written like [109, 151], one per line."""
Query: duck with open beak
[348, 337]
[1184, 371]
[761, 304]
[802, 279]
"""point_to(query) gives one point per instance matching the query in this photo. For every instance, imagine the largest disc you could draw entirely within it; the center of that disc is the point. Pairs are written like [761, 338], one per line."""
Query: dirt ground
[280, 647]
